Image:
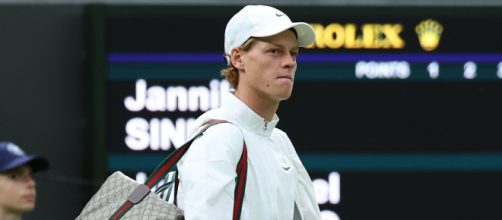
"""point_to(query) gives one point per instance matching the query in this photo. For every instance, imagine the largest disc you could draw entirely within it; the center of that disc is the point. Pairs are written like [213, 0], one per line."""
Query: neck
[6, 215]
[265, 108]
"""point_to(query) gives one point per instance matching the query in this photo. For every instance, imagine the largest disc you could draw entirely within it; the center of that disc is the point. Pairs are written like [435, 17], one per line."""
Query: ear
[236, 58]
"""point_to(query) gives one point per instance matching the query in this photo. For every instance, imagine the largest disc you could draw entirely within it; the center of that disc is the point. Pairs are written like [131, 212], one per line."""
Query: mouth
[286, 77]
[29, 197]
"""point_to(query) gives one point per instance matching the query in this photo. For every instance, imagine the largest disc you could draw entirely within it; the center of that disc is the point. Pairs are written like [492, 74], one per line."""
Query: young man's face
[17, 190]
[269, 66]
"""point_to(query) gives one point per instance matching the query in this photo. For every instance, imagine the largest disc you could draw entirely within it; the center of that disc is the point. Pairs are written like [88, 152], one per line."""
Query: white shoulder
[222, 141]
[286, 144]
[283, 137]
[280, 133]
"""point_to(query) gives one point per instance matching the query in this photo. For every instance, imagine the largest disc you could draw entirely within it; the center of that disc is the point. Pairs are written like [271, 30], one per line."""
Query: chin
[27, 207]
[284, 97]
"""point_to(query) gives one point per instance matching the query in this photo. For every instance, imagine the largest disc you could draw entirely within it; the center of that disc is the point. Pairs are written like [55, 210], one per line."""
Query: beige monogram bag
[115, 191]
[120, 197]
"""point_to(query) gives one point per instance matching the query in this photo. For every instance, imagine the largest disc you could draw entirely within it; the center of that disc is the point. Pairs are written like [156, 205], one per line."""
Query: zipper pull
[265, 126]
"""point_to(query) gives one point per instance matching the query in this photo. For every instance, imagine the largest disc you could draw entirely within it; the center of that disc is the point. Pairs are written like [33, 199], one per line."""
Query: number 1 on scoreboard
[433, 69]
[499, 70]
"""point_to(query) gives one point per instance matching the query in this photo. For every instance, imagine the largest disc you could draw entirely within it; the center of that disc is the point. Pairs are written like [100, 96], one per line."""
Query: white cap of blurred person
[17, 186]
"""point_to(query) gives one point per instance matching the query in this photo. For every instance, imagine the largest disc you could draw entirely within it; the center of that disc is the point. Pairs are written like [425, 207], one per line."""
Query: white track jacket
[276, 178]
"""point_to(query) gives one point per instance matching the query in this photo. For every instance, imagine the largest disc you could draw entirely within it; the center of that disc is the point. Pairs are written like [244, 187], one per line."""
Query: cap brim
[304, 32]
[36, 163]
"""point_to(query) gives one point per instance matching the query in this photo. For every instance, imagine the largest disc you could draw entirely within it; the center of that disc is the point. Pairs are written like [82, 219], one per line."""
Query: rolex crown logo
[429, 34]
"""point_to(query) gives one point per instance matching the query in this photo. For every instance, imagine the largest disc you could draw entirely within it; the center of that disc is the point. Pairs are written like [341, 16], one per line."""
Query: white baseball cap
[262, 21]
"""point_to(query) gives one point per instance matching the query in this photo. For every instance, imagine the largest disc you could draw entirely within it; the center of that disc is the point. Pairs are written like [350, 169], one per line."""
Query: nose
[289, 61]
[31, 181]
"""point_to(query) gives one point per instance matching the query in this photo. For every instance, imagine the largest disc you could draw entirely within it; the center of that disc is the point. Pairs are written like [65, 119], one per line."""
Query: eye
[274, 51]
[20, 176]
[14, 176]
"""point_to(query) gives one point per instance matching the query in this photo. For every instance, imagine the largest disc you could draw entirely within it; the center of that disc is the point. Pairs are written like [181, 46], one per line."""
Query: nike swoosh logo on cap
[278, 15]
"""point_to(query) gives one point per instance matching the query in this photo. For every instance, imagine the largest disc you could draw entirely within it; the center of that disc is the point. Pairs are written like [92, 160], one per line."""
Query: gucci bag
[121, 197]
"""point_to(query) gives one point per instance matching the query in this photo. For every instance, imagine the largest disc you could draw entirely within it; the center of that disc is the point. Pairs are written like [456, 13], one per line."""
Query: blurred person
[261, 47]
[17, 186]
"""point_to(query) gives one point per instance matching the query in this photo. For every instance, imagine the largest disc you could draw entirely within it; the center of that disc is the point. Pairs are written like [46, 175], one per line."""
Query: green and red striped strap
[170, 162]
[240, 184]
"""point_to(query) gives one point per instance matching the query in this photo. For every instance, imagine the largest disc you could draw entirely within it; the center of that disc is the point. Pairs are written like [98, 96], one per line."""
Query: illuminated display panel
[388, 128]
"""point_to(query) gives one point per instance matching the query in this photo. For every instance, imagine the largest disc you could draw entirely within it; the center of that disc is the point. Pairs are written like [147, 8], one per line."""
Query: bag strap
[169, 164]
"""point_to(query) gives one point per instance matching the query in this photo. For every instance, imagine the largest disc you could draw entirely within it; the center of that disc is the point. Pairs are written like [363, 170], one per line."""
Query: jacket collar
[245, 117]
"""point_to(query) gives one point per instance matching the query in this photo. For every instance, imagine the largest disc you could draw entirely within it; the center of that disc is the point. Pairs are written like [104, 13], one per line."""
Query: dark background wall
[42, 100]
[43, 96]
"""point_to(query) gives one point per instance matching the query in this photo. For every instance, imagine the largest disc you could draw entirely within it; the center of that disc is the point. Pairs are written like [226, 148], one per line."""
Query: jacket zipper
[265, 125]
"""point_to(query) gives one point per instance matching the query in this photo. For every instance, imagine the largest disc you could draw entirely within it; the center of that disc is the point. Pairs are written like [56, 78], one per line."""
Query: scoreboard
[396, 112]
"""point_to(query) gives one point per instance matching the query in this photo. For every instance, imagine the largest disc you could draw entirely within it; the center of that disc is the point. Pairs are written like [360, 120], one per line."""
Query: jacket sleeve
[305, 197]
[207, 174]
